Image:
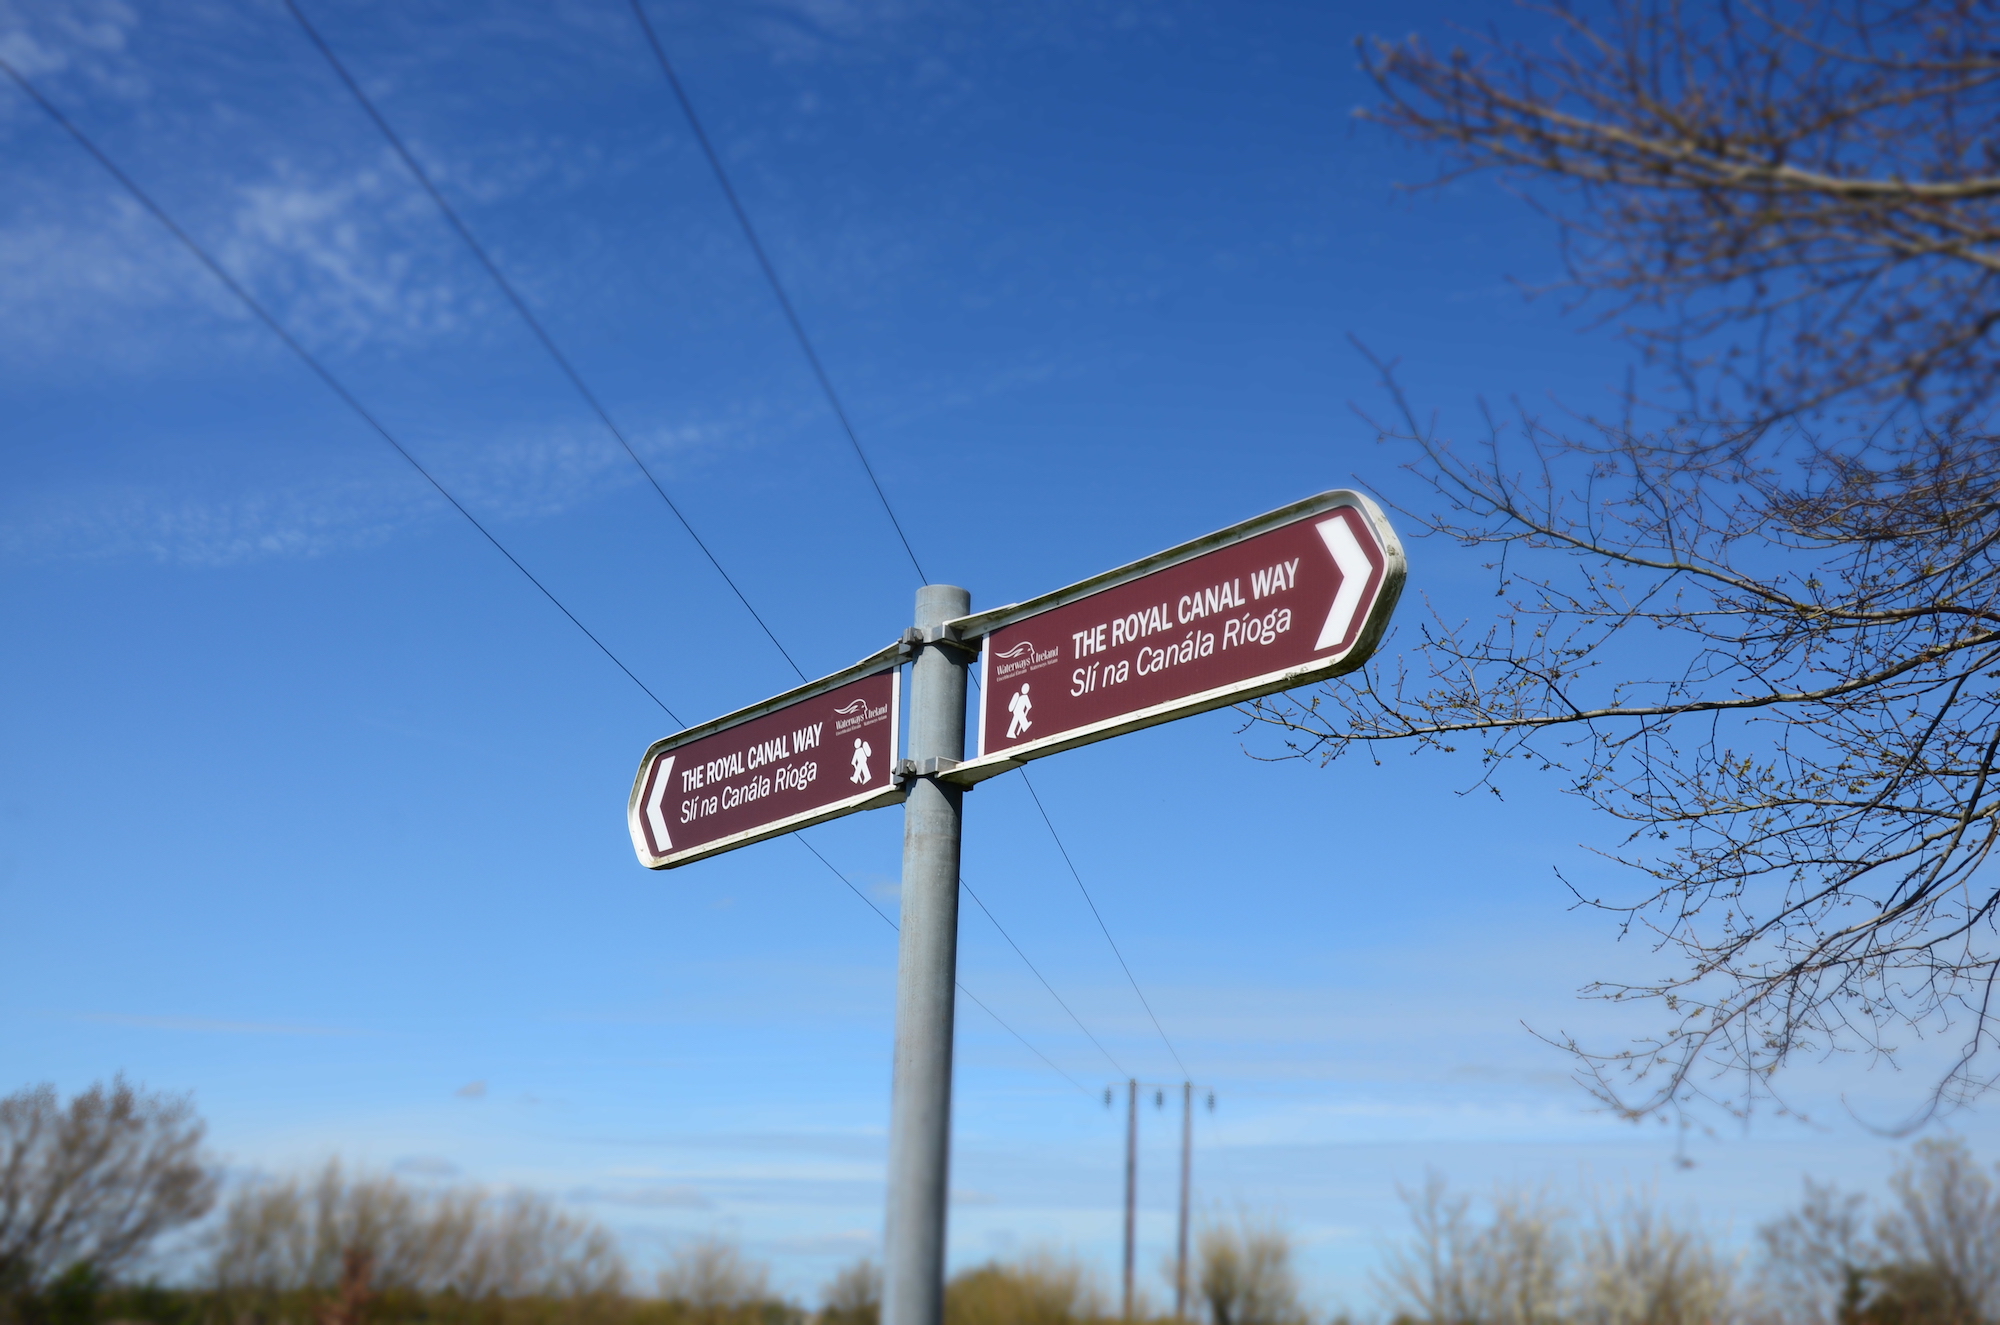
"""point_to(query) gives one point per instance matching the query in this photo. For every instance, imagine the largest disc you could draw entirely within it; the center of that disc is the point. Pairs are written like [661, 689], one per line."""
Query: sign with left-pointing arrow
[826, 749]
[1293, 596]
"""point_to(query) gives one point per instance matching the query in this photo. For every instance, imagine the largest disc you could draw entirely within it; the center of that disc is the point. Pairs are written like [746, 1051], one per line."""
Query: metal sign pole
[1269, 604]
[926, 972]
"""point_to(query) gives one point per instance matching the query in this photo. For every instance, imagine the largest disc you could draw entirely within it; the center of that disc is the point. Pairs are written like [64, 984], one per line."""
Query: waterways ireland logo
[1022, 657]
[857, 713]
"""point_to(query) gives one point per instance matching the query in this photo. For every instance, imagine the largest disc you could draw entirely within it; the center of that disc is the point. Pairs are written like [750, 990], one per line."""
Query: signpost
[815, 753]
[1294, 596]
[1288, 598]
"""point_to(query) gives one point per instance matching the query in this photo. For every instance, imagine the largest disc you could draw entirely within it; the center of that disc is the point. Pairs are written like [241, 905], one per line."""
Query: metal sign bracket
[953, 771]
[917, 638]
[970, 774]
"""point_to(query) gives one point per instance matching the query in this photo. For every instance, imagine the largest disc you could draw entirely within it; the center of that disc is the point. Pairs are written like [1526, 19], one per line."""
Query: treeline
[1928, 1254]
[97, 1194]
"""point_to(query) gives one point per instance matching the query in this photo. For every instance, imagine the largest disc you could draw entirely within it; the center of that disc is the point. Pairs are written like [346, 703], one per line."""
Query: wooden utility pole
[1131, 1190]
[1187, 1182]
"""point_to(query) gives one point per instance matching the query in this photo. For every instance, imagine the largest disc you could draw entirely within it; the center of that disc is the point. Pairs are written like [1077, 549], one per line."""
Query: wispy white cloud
[850, 1242]
[78, 269]
[213, 530]
[82, 35]
[644, 1198]
[203, 1025]
[339, 245]
[342, 258]
[522, 475]
[347, 256]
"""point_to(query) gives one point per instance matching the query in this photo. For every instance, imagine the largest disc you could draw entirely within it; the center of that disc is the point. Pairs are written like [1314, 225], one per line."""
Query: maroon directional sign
[815, 753]
[1297, 595]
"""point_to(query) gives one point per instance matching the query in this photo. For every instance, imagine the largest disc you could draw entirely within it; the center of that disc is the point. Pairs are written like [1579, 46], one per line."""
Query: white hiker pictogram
[861, 752]
[1019, 706]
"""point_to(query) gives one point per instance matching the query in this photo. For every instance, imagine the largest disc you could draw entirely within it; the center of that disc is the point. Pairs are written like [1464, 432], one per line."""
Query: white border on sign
[983, 624]
[985, 688]
[867, 800]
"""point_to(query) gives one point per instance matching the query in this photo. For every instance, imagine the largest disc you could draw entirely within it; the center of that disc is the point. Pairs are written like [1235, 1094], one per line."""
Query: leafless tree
[1507, 1270]
[1530, 1261]
[1819, 173]
[1244, 1273]
[1814, 1258]
[1636, 1265]
[1946, 1222]
[855, 1296]
[355, 1291]
[1763, 636]
[713, 1275]
[1932, 1257]
[95, 1182]
[354, 1235]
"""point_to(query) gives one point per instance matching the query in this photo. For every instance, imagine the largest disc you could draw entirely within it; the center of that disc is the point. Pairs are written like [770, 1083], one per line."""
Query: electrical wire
[833, 399]
[548, 343]
[1143, 1002]
[319, 369]
[771, 276]
[961, 986]
[965, 884]
[348, 398]
[590, 398]
[805, 343]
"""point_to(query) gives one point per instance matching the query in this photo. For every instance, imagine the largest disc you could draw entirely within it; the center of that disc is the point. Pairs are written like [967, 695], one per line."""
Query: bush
[1042, 1289]
[1245, 1273]
[854, 1297]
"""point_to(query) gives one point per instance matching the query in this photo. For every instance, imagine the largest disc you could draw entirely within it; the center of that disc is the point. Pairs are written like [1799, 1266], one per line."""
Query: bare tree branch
[1764, 641]
[1781, 677]
[95, 1183]
[1818, 175]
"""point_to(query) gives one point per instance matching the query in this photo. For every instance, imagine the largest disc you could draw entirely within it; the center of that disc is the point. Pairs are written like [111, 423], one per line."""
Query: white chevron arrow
[1354, 566]
[656, 805]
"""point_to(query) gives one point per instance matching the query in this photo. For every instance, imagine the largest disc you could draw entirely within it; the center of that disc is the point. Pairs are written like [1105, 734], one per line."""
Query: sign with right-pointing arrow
[1291, 597]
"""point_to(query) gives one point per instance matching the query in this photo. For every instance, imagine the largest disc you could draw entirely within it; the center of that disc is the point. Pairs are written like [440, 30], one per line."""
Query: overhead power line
[513, 296]
[833, 399]
[348, 398]
[1039, 976]
[771, 276]
[961, 985]
[319, 369]
[1143, 1002]
[590, 398]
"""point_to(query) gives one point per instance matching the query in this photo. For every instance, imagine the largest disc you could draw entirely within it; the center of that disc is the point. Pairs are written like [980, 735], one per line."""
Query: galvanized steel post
[926, 974]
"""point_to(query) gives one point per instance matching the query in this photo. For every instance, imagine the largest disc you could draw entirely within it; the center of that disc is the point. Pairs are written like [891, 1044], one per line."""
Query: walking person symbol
[1019, 706]
[861, 752]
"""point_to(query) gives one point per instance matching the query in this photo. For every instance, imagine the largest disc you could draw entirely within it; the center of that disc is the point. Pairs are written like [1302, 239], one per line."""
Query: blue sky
[313, 807]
